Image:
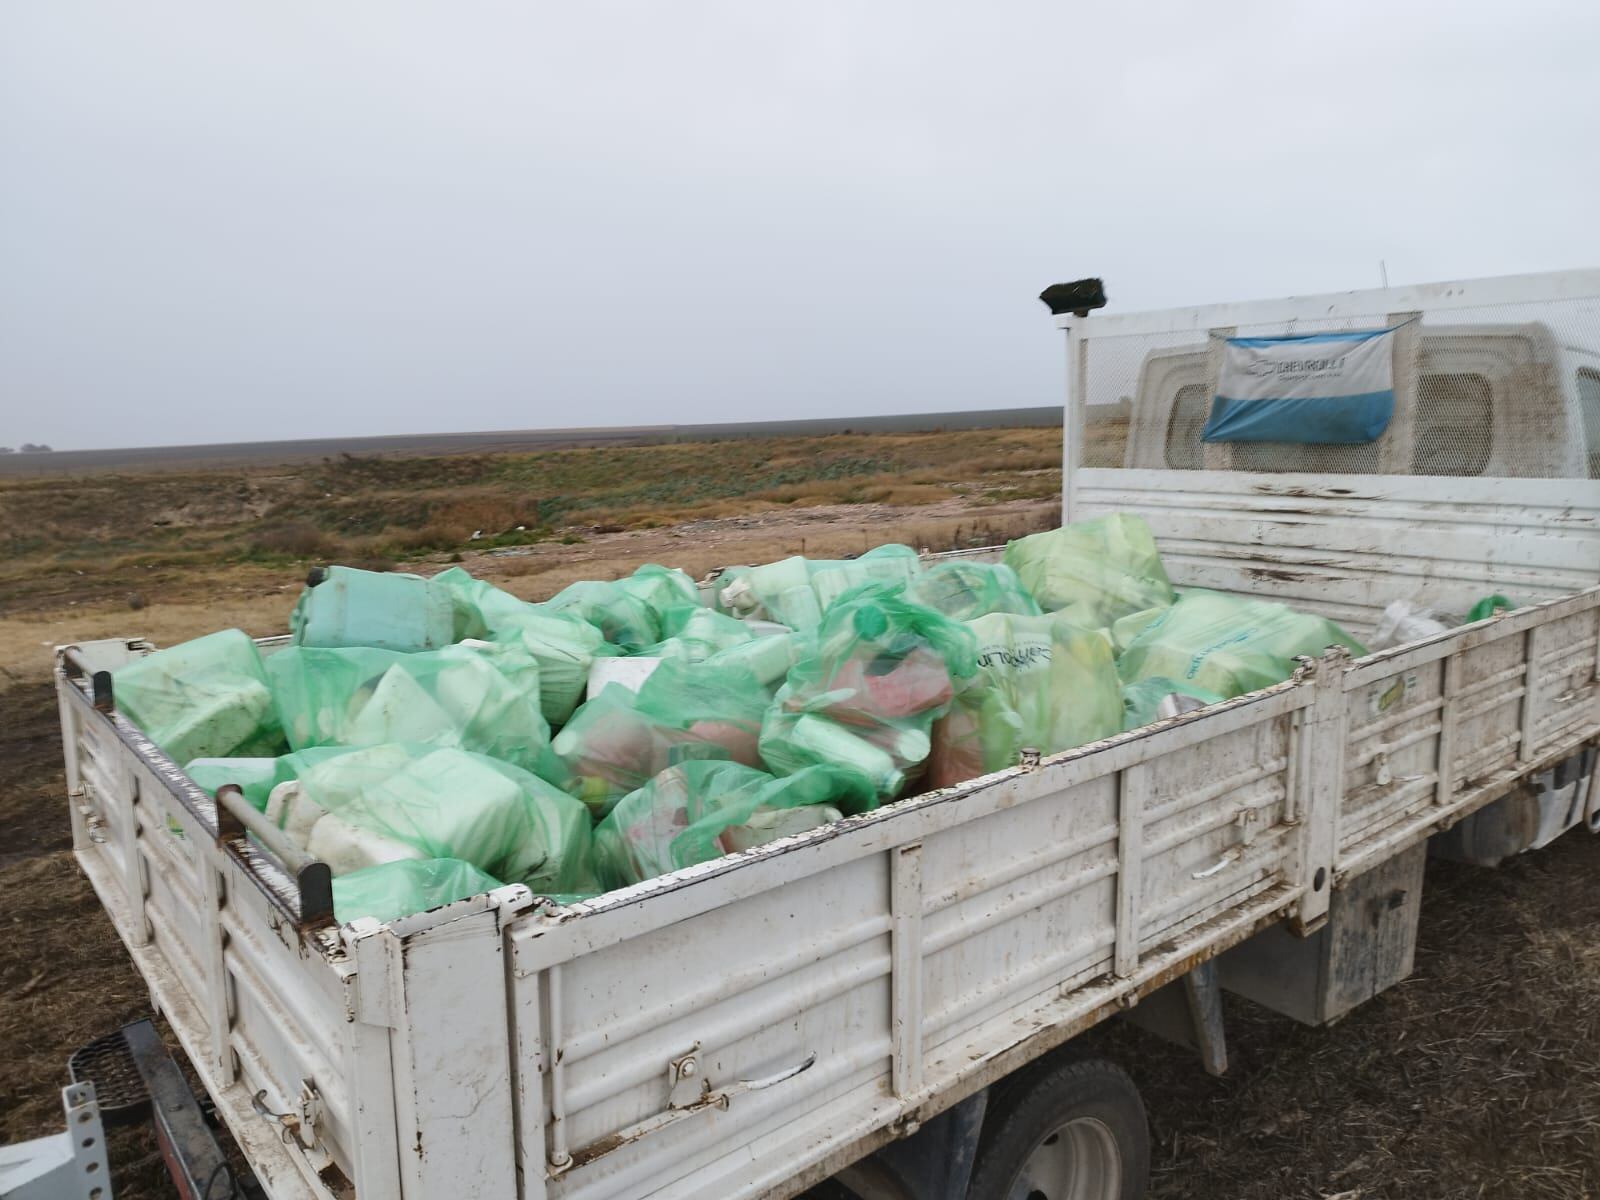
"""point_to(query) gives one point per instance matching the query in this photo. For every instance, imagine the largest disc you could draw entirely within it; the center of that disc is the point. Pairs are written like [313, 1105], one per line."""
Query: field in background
[173, 554]
[505, 441]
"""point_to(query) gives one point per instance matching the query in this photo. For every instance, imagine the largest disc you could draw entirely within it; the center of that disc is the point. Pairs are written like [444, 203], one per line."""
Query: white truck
[881, 1000]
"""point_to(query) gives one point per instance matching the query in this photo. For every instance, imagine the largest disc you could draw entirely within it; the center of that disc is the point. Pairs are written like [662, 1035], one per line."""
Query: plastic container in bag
[390, 803]
[398, 889]
[631, 613]
[1093, 572]
[1228, 645]
[1403, 622]
[965, 591]
[768, 658]
[1041, 683]
[697, 811]
[1147, 700]
[343, 606]
[700, 634]
[564, 645]
[866, 687]
[207, 698]
[479, 696]
[797, 591]
[620, 739]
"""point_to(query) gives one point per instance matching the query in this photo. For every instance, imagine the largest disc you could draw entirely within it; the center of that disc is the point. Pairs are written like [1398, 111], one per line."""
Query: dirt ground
[1478, 1077]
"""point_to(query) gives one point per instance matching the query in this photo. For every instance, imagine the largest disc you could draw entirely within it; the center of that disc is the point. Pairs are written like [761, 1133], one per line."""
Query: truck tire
[1071, 1131]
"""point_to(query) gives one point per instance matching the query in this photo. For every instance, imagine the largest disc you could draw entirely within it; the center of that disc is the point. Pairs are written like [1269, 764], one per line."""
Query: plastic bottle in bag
[564, 645]
[1041, 683]
[696, 811]
[479, 696]
[700, 633]
[796, 591]
[1228, 645]
[630, 613]
[386, 803]
[866, 687]
[1093, 572]
[207, 698]
[343, 606]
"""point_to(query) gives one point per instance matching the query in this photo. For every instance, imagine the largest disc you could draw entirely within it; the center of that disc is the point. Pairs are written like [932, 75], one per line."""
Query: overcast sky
[232, 222]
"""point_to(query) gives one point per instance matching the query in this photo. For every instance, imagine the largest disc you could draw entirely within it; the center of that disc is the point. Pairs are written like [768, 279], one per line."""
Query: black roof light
[1078, 297]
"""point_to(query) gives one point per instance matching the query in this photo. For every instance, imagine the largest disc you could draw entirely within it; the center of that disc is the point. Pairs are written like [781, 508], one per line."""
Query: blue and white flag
[1331, 388]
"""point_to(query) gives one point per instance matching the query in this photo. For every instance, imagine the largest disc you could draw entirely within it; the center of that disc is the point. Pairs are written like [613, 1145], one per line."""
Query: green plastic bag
[1489, 606]
[395, 802]
[207, 698]
[700, 634]
[1141, 700]
[696, 811]
[632, 612]
[387, 610]
[797, 591]
[619, 740]
[767, 658]
[1042, 683]
[479, 696]
[1093, 572]
[398, 889]
[564, 645]
[866, 688]
[965, 591]
[1228, 645]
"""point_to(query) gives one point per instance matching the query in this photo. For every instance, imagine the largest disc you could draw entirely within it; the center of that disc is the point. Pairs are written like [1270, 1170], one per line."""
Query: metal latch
[302, 1122]
[687, 1084]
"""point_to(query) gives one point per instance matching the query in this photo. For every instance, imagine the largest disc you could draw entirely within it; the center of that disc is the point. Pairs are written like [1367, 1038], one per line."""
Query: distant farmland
[259, 454]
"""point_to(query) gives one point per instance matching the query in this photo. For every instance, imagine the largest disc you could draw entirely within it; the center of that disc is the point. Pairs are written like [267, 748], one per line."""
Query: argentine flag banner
[1331, 388]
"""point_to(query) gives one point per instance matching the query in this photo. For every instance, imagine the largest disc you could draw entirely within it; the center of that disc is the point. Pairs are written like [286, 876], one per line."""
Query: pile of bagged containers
[431, 739]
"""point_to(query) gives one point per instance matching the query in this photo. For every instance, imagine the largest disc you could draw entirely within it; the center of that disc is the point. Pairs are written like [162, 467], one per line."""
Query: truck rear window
[1454, 426]
[1589, 405]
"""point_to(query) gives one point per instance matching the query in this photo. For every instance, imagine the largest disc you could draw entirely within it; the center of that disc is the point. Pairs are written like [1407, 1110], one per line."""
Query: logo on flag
[1330, 388]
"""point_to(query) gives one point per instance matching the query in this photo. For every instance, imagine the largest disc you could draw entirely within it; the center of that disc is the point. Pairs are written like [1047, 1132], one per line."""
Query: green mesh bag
[207, 698]
[768, 658]
[1489, 606]
[797, 591]
[696, 811]
[255, 777]
[390, 803]
[478, 696]
[1042, 683]
[965, 591]
[866, 688]
[1092, 572]
[398, 889]
[1228, 645]
[630, 613]
[563, 644]
[699, 634]
[619, 740]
